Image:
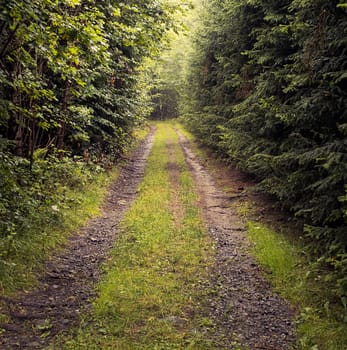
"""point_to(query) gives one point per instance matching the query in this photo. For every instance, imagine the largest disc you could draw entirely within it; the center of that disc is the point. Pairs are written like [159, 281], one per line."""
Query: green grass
[150, 297]
[320, 322]
[28, 252]
[279, 258]
[23, 256]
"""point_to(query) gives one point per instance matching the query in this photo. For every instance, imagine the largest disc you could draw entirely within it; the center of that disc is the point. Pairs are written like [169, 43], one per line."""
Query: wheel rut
[242, 304]
[66, 289]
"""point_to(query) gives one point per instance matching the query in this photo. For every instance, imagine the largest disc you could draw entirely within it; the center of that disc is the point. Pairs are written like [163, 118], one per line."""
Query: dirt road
[241, 303]
[67, 288]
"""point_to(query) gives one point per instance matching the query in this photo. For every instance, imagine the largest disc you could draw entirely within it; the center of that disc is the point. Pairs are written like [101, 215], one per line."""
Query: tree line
[268, 90]
[71, 91]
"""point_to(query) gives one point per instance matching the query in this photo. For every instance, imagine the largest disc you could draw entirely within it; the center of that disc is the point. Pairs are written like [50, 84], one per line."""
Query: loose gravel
[66, 289]
[242, 305]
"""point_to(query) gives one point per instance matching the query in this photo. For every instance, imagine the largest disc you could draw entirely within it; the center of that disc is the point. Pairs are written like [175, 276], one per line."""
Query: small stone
[175, 320]
[34, 345]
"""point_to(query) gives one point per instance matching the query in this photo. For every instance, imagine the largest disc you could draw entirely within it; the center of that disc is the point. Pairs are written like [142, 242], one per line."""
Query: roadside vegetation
[45, 212]
[290, 267]
[72, 90]
[151, 295]
[320, 321]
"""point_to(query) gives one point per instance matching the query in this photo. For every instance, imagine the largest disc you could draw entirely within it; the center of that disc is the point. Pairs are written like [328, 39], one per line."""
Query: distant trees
[165, 101]
[169, 71]
[269, 91]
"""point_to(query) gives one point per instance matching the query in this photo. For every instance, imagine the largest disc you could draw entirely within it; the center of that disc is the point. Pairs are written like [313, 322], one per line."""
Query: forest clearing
[173, 174]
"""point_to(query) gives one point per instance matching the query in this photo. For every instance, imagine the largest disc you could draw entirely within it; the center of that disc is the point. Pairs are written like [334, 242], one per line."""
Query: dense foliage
[70, 91]
[170, 70]
[269, 91]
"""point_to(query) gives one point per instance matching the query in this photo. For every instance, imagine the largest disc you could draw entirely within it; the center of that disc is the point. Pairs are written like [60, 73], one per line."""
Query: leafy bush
[33, 195]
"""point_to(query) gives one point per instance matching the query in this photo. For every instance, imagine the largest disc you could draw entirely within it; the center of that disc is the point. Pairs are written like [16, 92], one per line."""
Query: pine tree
[270, 87]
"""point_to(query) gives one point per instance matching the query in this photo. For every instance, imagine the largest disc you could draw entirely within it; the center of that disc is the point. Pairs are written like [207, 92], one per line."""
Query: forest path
[66, 289]
[242, 309]
[243, 306]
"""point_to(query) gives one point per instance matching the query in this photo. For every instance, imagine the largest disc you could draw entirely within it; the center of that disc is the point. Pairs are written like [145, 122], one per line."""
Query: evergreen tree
[269, 83]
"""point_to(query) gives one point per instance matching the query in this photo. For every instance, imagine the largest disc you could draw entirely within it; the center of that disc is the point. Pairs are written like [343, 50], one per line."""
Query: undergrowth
[150, 297]
[295, 274]
[321, 321]
[39, 208]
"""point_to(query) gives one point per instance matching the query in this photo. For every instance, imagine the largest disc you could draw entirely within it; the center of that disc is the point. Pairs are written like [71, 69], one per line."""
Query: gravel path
[242, 304]
[67, 288]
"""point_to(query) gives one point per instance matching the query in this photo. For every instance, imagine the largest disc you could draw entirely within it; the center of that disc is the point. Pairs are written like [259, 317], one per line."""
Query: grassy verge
[321, 321]
[150, 296]
[27, 253]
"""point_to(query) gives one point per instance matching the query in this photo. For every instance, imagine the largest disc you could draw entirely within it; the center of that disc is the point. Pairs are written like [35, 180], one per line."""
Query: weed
[245, 209]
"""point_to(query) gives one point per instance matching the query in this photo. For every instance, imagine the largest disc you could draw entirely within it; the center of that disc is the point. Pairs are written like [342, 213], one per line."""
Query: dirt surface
[242, 304]
[66, 290]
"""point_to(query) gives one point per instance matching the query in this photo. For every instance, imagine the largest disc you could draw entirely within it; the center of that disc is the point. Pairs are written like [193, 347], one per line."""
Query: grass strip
[150, 296]
[320, 324]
